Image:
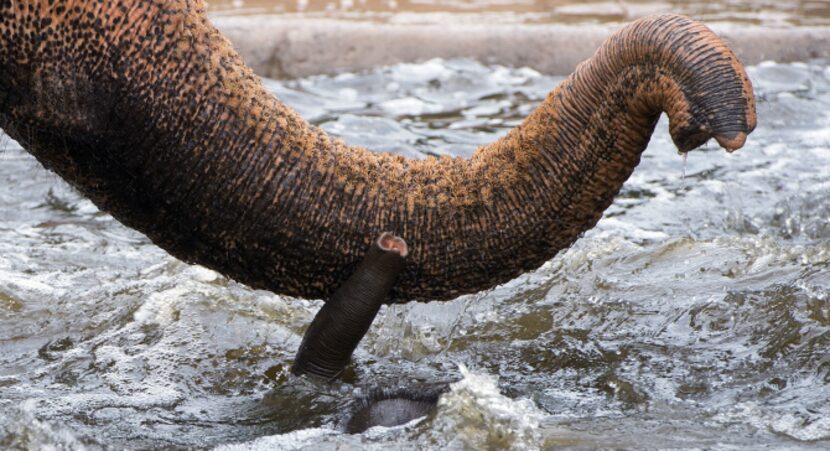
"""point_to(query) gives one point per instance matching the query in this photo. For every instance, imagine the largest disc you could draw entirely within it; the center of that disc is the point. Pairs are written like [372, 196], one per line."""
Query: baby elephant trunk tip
[391, 243]
[342, 322]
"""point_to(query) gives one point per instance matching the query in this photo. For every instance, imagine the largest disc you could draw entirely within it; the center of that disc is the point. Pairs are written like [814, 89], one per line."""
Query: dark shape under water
[392, 408]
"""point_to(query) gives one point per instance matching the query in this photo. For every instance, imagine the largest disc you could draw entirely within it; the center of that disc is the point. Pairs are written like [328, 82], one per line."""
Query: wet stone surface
[696, 314]
[766, 12]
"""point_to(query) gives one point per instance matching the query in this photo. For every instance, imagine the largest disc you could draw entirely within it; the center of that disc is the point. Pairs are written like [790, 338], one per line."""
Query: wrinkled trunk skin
[146, 108]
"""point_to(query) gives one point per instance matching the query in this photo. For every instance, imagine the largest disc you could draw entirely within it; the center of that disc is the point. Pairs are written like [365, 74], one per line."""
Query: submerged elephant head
[146, 108]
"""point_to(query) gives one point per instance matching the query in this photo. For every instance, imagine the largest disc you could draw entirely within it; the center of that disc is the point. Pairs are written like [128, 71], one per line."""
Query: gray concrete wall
[289, 47]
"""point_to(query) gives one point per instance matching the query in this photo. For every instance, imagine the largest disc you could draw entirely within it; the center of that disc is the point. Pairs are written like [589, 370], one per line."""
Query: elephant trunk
[147, 109]
[342, 322]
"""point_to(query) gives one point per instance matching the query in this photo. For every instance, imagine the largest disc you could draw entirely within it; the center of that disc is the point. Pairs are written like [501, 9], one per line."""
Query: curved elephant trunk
[147, 109]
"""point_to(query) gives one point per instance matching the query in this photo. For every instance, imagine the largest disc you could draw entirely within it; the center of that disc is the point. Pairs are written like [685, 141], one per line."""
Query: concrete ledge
[290, 47]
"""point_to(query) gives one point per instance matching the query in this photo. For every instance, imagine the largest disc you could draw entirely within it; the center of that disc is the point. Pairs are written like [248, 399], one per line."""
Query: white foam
[801, 428]
[409, 106]
[20, 428]
[475, 415]
[160, 306]
[434, 69]
[27, 282]
[289, 441]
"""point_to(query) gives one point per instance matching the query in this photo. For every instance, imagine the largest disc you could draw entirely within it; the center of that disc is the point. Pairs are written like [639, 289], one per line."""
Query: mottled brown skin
[146, 108]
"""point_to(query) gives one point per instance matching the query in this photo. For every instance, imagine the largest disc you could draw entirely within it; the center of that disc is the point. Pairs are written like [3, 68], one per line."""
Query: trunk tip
[731, 141]
[390, 242]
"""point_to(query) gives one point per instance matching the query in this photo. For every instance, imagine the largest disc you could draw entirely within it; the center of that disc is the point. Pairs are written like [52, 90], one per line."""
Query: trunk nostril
[390, 242]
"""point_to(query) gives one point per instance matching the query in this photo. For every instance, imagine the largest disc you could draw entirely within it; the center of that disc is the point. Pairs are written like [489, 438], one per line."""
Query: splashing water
[475, 415]
[701, 327]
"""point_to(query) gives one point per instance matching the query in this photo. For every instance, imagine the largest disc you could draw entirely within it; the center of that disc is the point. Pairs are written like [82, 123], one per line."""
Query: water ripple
[696, 314]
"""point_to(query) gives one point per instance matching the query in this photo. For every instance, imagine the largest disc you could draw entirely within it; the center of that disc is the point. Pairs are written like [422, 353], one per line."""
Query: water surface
[696, 314]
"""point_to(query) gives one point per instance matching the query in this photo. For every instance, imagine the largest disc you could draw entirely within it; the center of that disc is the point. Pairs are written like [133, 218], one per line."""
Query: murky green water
[696, 314]
[767, 12]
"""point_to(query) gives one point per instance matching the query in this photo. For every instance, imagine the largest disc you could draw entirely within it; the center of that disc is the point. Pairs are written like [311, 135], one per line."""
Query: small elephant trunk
[343, 321]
